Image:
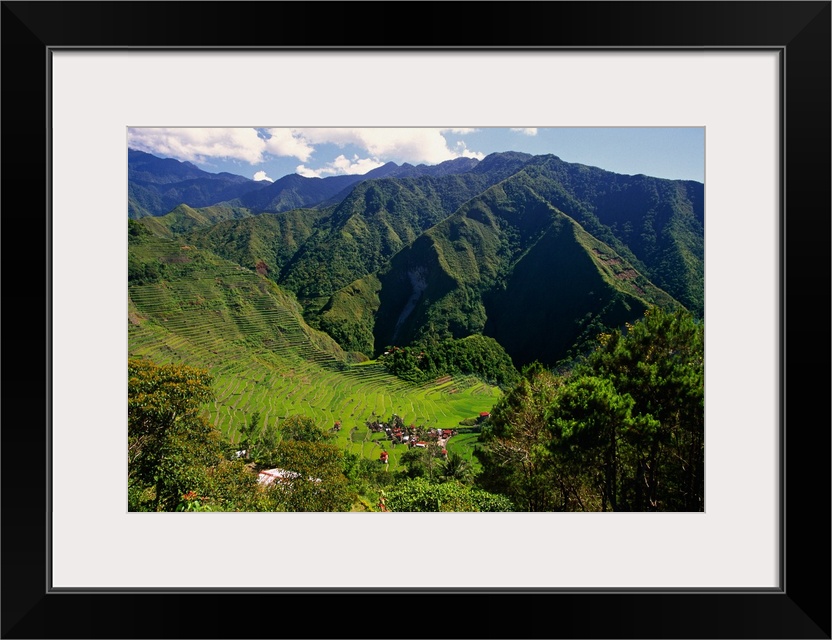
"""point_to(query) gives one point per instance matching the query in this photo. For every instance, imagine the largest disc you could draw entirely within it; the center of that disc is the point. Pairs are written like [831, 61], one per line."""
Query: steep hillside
[381, 216]
[508, 265]
[266, 242]
[183, 219]
[536, 252]
[376, 220]
[189, 306]
[657, 224]
[327, 248]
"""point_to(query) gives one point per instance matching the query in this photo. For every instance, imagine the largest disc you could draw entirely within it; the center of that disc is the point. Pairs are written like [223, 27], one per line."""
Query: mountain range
[535, 252]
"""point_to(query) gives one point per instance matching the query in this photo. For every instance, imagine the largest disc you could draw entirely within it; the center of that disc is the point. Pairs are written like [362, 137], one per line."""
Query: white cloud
[261, 175]
[374, 146]
[462, 150]
[340, 166]
[199, 145]
[306, 172]
[289, 142]
[413, 144]
[529, 131]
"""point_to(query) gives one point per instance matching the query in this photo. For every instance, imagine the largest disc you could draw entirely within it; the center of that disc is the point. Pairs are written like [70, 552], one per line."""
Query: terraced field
[250, 335]
[464, 445]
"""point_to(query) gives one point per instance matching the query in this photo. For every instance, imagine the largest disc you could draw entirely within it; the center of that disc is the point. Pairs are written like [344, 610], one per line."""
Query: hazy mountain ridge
[158, 185]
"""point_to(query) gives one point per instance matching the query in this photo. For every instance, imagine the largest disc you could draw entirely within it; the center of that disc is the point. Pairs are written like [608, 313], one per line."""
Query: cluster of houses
[411, 435]
[416, 437]
[397, 433]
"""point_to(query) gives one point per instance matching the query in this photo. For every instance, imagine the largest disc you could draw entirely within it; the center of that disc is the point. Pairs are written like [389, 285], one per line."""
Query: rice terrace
[414, 320]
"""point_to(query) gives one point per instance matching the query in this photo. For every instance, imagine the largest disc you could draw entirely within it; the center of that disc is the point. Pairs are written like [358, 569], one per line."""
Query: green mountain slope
[338, 245]
[267, 242]
[656, 224]
[184, 219]
[189, 306]
[508, 265]
[538, 253]
[376, 220]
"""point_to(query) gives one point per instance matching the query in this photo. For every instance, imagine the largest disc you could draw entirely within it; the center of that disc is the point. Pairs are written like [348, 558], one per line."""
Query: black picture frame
[800, 608]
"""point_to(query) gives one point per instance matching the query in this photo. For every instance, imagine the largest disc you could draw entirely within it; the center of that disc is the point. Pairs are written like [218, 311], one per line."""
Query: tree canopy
[624, 431]
[170, 444]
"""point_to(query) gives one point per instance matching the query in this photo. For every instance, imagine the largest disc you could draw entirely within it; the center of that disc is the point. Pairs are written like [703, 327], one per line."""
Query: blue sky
[271, 153]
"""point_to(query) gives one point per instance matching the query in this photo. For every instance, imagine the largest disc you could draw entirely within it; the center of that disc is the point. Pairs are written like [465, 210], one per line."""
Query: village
[397, 433]
[413, 436]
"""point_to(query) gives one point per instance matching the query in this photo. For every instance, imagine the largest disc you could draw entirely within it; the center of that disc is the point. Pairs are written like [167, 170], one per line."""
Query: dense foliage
[144, 272]
[419, 494]
[317, 481]
[514, 446]
[476, 355]
[624, 431]
[178, 462]
[172, 450]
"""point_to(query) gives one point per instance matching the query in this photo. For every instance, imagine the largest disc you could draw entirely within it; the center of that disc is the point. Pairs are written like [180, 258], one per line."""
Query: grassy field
[249, 334]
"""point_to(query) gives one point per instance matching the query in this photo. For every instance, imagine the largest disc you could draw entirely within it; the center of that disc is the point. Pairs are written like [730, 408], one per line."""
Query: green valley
[234, 322]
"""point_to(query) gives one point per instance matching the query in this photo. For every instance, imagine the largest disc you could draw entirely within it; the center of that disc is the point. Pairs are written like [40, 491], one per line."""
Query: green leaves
[635, 410]
[623, 431]
[457, 468]
[170, 445]
[514, 453]
[316, 480]
[303, 429]
[475, 355]
[586, 408]
[421, 495]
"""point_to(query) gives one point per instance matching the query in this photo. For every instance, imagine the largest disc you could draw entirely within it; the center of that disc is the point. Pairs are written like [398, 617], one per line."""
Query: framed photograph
[82, 78]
